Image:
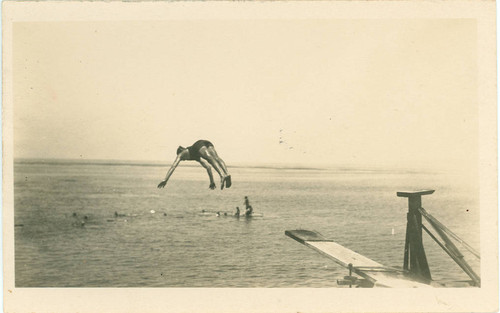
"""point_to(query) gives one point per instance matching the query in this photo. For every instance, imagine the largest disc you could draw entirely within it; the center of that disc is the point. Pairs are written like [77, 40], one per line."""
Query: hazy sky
[361, 92]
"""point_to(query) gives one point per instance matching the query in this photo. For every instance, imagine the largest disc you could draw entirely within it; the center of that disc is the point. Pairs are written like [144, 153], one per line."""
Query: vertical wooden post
[415, 260]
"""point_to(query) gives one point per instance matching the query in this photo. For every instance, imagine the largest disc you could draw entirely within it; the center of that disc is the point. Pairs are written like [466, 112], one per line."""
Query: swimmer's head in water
[180, 149]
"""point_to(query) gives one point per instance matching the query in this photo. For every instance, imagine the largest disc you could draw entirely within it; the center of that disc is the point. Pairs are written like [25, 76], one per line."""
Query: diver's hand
[162, 184]
[212, 186]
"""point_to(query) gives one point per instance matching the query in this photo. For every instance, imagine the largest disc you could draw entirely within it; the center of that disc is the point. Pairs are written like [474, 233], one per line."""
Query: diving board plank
[365, 267]
[338, 253]
[342, 255]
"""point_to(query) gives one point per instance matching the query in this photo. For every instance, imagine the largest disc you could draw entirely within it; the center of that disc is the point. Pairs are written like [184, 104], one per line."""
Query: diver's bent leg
[223, 165]
[210, 159]
[227, 178]
[219, 165]
[212, 151]
[219, 170]
[216, 166]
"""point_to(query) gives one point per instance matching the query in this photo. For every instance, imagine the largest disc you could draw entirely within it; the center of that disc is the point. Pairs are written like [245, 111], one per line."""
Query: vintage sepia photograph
[215, 150]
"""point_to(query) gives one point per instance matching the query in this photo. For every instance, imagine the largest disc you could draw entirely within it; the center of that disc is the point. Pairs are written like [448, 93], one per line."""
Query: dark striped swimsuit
[194, 150]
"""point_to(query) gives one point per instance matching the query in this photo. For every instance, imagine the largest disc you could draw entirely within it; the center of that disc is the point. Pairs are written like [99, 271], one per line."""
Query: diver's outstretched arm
[170, 172]
[207, 166]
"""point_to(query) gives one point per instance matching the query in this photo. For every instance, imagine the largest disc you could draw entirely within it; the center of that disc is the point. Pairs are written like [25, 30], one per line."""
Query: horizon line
[118, 162]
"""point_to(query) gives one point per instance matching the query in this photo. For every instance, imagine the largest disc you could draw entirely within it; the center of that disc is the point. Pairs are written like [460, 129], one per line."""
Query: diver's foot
[228, 181]
[222, 181]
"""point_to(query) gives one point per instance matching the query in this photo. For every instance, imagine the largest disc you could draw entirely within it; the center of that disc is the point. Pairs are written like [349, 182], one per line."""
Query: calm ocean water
[176, 246]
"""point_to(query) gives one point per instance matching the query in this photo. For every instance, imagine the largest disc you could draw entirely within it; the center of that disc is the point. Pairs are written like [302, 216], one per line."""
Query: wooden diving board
[378, 274]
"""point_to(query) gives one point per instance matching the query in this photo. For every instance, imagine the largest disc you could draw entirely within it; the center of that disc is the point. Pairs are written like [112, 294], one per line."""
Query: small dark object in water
[164, 214]
[74, 214]
[18, 225]
[85, 217]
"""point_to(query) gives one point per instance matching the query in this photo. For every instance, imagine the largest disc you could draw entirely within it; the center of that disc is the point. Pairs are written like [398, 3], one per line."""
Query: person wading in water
[249, 209]
[204, 152]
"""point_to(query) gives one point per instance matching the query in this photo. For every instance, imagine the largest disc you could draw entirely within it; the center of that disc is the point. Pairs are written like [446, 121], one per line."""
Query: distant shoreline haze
[283, 166]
